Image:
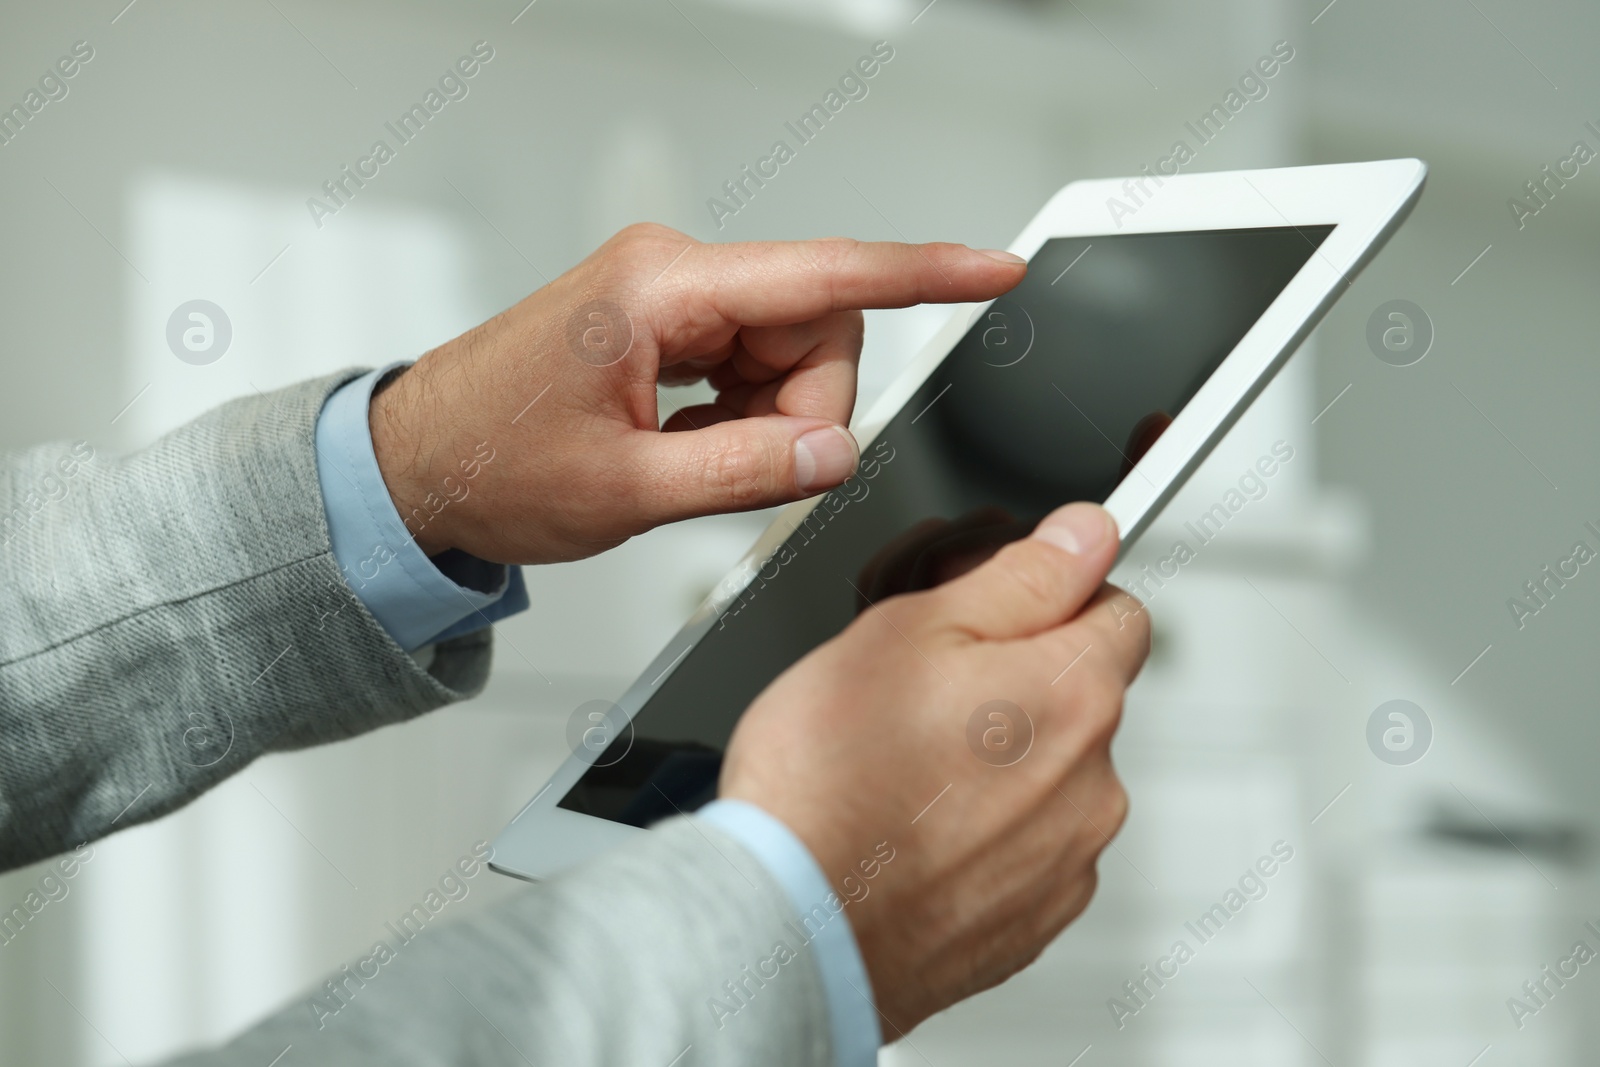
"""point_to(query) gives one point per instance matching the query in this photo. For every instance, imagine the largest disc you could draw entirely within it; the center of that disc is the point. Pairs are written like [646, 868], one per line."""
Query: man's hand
[882, 736]
[533, 438]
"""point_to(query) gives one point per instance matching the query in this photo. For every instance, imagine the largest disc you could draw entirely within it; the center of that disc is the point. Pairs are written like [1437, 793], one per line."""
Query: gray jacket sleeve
[169, 616]
[678, 951]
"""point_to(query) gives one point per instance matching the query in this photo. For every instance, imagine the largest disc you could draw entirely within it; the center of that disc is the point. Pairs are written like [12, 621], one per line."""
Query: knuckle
[733, 474]
[1132, 605]
[1111, 720]
[1098, 704]
[1134, 614]
[646, 232]
[829, 254]
[899, 613]
[1125, 624]
[1028, 569]
[943, 252]
[849, 331]
[1078, 888]
[1097, 692]
[880, 634]
[1122, 610]
[638, 252]
[1116, 806]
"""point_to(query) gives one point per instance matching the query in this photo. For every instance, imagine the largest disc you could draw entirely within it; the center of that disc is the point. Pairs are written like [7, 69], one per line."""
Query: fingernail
[999, 255]
[1078, 528]
[824, 458]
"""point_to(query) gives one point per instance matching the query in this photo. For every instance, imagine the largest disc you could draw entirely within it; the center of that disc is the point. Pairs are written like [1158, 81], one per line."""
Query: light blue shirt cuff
[415, 600]
[852, 1013]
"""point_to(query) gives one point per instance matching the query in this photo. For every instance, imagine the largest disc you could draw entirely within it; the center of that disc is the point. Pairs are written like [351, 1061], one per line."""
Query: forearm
[171, 615]
[625, 961]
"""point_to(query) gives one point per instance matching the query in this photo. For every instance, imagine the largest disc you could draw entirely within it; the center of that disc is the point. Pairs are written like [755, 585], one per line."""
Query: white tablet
[1154, 311]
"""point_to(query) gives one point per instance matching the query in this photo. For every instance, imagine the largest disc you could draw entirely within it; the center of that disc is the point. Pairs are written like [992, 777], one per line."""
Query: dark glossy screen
[1050, 397]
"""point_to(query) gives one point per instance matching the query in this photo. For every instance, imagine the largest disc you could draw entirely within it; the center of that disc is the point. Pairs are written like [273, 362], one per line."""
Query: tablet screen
[1051, 397]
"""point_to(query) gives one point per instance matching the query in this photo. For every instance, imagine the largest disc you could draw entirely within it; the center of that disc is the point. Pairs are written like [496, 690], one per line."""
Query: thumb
[739, 465]
[1037, 583]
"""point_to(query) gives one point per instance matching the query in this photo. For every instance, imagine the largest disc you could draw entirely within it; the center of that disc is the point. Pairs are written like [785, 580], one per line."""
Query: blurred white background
[1419, 897]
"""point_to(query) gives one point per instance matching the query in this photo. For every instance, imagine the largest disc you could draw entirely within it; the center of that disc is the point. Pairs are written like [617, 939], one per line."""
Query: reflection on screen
[1051, 397]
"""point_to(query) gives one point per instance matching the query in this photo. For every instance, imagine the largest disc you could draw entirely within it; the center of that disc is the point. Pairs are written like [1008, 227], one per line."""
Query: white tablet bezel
[1364, 202]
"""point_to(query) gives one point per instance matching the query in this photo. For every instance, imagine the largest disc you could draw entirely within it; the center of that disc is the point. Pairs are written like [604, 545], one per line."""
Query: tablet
[1155, 309]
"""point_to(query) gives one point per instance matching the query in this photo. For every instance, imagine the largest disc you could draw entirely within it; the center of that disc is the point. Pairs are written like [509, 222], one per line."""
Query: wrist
[399, 444]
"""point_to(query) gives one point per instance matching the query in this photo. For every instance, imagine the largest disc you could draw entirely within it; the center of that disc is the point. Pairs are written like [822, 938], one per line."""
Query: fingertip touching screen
[1051, 396]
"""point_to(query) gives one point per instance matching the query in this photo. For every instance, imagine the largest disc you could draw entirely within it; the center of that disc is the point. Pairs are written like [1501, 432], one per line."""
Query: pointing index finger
[782, 282]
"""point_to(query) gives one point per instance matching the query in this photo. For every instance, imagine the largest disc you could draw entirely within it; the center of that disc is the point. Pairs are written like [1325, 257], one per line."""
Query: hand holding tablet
[992, 856]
